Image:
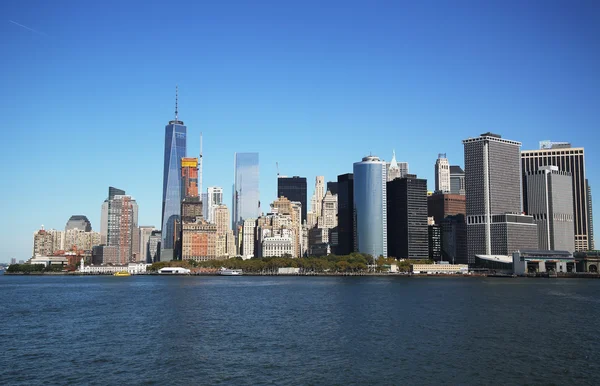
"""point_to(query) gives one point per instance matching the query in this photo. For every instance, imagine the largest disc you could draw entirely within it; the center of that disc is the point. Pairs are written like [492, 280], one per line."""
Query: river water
[298, 330]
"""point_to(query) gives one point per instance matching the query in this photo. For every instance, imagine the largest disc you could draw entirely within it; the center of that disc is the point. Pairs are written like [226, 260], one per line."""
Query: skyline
[88, 91]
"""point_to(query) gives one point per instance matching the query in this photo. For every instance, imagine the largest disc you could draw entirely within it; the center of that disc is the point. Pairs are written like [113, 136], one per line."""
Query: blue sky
[86, 89]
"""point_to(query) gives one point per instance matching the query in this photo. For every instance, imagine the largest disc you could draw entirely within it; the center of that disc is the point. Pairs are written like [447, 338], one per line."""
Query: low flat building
[131, 268]
[49, 260]
[524, 262]
[441, 268]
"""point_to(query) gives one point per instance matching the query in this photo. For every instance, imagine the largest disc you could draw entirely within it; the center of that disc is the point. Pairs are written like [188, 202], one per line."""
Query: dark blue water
[298, 330]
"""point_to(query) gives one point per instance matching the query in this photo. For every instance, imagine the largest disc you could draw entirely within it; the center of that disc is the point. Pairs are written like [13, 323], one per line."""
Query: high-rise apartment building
[442, 174]
[121, 226]
[495, 225]
[457, 180]
[214, 198]
[550, 202]
[80, 222]
[294, 189]
[591, 244]
[80, 240]
[246, 194]
[45, 242]
[370, 206]
[407, 218]
[345, 214]
[175, 151]
[249, 225]
[567, 159]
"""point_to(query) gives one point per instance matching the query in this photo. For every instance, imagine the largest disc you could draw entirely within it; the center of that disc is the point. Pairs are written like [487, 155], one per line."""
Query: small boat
[121, 273]
[230, 272]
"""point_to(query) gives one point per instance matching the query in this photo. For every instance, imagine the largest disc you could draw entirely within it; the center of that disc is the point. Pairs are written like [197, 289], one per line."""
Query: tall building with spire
[442, 174]
[316, 202]
[175, 150]
[393, 169]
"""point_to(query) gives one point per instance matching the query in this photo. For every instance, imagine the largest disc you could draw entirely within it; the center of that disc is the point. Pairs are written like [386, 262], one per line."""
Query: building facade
[591, 244]
[249, 226]
[442, 205]
[294, 189]
[550, 202]
[567, 159]
[198, 240]
[345, 214]
[407, 218]
[122, 228]
[457, 180]
[316, 202]
[442, 174]
[79, 221]
[145, 233]
[214, 199]
[246, 194]
[495, 225]
[370, 206]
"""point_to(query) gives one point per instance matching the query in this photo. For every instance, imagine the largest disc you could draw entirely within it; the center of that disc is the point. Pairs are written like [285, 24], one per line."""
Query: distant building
[249, 226]
[395, 169]
[454, 239]
[79, 222]
[329, 208]
[278, 244]
[457, 180]
[345, 214]
[294, 189]
[435, 242]
[145, 233]
[550, 198]
[316, 202]
[198, 240]
[495, 225]
[407, 218]
[105, 254]
[246, 195]
[121, 226]
[442, 205]
[442, 174]
[567, 159]
[591, 246]
[78, 239]
[42, 243]
[154, 241]
[112, 192]
[332, 186]
[370, 206]
[214, 199]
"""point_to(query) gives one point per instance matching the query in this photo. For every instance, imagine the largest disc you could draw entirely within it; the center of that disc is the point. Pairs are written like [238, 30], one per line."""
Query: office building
[112, 192]
[442, 205]
[407, 218]
[332, 186]
[79, 222]
[457, 180]
[214, 198]
[550, 202]
[198, 240]
[370, 206]
[395, 169]
[154, 241]
[175, 151]
[292, 209]
[442, 174]
[329, 209]
[316, 202]
[495, 225]
[246, 194]
[204, 200]
[454, 239]
[591, 244]
[567, 159]
[120, 225]
[277, 243]
[345, 214]
[294, 189]
[248, 236]
[435, 242]
[145, 234]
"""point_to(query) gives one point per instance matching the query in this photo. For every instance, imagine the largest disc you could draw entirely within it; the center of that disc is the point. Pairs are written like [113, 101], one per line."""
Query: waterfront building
[442, 174]
[550, 202]
[370, 206]
[131, 268]
[407, 218]
[345, 214]
[457, 180]
[214, 198]
[175, 151]
[440, 268]
[246, 195]
[198, 240]
[442, 205]
[435, 242]
[249, 226]
[495, 225]
[567, 159]
[79, 222]
[591, 246]
[145, 233]
[120, 225]
[294, 189]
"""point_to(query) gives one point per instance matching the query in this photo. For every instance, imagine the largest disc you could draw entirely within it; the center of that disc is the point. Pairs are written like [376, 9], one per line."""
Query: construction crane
[277, 166]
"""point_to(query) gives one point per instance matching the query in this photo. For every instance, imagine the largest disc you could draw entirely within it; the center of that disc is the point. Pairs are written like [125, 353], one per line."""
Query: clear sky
[86, 88]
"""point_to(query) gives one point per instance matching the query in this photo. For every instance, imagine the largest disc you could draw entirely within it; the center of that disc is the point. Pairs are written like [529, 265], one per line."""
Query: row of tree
[31, 268]
[353, 263]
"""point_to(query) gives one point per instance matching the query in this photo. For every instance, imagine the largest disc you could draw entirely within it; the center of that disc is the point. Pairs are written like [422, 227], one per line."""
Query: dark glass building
[332, 186]
[175, 150]
[246, 194]
[407, 218]
[435, 242]
[294, 189]
[345, 183]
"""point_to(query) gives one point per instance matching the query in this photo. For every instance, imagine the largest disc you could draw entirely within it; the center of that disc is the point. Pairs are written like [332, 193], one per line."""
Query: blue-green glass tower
[175, 149]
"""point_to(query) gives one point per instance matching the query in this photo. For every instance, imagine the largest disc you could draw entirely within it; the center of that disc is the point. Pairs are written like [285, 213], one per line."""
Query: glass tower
[175, 150]
[246, 197]
[370, 206]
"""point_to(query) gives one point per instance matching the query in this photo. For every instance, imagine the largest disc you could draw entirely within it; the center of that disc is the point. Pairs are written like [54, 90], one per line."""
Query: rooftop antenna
[200, 168]
[176, 102]
[277, 165]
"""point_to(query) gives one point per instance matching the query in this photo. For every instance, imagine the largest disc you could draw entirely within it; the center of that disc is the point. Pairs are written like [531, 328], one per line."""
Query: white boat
[230, 272]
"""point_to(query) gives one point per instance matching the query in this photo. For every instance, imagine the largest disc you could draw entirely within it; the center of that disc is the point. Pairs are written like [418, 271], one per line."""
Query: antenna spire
[200, 170]
[176, 102]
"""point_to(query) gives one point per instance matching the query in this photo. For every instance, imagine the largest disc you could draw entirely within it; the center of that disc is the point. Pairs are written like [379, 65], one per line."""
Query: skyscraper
[407, 218]
[189, 178]
[550, 198]
[145, 234]
[175, 150]
[112, 192]
[246, 195]
[80, 222]
[495, 225]
[393, 170]
[591, 243]
[316, 201]
[214, 198]
[121, 226]
[294, 189]
[457, 180]
[567, 159]
[345, 214]
[442, 174]
[370, 206]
